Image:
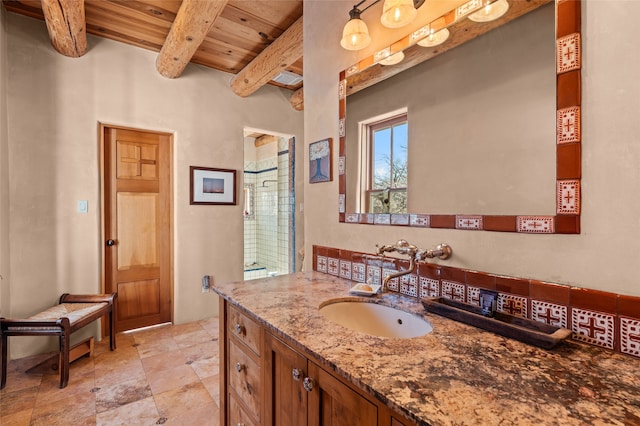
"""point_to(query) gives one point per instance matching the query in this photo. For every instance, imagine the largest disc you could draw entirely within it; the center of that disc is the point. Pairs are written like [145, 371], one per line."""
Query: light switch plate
[83, 206]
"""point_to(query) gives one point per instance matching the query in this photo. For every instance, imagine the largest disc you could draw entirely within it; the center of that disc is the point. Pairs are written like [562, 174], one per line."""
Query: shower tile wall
[266, 234]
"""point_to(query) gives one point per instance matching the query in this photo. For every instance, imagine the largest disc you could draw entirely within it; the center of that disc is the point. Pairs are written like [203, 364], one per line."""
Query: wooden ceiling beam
[280, 54]
[66, 25]
[297, 99]
[194, 20]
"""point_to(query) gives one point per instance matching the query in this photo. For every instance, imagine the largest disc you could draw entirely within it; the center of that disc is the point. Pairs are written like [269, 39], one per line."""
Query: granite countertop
[457, 374]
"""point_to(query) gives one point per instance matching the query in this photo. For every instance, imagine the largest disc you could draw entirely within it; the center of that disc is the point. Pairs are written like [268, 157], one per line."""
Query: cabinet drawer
[244, 329]
[244, 377]
[237, 415]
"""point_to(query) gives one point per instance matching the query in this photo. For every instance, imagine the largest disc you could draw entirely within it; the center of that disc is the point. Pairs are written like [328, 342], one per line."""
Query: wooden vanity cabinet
[289, 389]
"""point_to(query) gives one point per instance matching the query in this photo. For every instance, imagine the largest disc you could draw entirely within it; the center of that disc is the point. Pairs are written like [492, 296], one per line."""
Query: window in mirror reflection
[386, 178]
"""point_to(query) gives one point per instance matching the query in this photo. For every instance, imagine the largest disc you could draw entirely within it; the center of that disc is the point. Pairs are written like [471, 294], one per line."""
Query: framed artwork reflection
[320, 169]
[212, 186]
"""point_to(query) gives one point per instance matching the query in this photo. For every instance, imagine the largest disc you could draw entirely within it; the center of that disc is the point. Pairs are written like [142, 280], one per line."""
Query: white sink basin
[374, 319]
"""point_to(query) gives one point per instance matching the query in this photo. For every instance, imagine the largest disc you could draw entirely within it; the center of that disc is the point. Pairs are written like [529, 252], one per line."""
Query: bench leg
[64, 360]
[3, 349]
[112, 329]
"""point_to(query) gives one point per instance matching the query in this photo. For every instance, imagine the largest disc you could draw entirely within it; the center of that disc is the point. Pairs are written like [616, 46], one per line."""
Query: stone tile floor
[165, 375]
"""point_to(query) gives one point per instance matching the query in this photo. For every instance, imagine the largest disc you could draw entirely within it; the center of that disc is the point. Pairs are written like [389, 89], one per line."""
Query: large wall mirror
[492, 135]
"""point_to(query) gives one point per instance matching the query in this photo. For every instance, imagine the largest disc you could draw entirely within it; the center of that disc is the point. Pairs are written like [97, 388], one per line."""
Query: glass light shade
[490, 12]
[355, 35]
[435, 39]
[397, 13]
[396, 58]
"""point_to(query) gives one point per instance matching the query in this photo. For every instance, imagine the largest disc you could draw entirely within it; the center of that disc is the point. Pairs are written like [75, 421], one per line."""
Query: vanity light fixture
[355, 35]
[398, 13]
[490, 12]
[396, 58]
[435, 38]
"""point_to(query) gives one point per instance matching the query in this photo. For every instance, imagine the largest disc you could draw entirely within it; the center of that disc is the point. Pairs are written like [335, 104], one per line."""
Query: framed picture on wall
[212, 186]
[320, 169]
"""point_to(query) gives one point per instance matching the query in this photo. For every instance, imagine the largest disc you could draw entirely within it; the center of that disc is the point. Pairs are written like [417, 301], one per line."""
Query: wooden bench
[73, 312]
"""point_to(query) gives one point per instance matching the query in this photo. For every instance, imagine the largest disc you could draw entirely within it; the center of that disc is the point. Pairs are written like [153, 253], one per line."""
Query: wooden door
[285, 400]
[332, 403]
[137, 208]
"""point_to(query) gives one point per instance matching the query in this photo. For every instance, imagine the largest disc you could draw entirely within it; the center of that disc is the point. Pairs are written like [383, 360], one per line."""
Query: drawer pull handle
[308, 384]
[240, 424]
[239, 329]
[297, 374]
[239, 367]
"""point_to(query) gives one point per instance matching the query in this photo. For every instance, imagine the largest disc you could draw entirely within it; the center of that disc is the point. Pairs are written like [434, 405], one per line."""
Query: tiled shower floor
[166, 375]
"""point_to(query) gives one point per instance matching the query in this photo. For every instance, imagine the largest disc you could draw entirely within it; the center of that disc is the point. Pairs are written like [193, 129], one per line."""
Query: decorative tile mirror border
[568, 140]
[595, 317]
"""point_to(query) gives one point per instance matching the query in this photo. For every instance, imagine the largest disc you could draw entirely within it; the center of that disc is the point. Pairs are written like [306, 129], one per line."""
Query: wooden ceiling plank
[149, 12]
[116, 36]
[281, 14]
[279, 55]
[134, 33]
[66, 25]
[193, 21]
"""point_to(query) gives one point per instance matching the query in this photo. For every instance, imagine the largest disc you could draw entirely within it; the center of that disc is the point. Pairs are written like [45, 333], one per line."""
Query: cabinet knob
[297, 374]
[308, 384]
[239, 329]
[239, 367]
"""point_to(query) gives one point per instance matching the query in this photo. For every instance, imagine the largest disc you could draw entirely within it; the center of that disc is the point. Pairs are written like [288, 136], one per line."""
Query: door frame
[101, 145]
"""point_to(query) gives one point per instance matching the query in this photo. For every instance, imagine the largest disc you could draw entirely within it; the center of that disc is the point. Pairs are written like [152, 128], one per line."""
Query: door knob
[110, 242]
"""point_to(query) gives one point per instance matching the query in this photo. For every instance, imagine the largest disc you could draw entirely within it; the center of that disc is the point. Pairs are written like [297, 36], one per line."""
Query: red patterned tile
[420, 220]
[429, 287]
[568, 127]
[469, 222]
[596, 328]
[345, 269]
[549, 313]
[630, 336]
[568, 197]
[513, 305]
[473, 295]
[453, 290]
[568, 56]
[536, 224]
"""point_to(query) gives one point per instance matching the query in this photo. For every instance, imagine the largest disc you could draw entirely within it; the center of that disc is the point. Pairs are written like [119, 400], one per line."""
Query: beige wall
[4, 172]
[603, 255]
[55, 104]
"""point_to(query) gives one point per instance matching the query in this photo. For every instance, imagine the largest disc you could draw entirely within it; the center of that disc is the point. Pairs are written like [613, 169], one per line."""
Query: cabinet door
[332, 403]
[285, 400]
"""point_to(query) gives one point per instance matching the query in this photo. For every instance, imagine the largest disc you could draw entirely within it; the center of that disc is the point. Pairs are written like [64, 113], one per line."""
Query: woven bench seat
[71, 314]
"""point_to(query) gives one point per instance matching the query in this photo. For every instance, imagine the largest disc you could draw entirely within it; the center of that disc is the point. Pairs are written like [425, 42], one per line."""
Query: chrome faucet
[442, 251]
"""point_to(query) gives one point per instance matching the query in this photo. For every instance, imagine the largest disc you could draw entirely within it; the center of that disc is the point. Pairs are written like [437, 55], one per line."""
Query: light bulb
[397, 13]
[355, 35]
[434, 39]
[490, 12]
[396, 58]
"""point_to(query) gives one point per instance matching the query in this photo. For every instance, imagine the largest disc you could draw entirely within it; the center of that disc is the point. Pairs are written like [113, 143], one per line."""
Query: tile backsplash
[595, 317]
